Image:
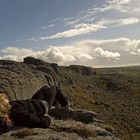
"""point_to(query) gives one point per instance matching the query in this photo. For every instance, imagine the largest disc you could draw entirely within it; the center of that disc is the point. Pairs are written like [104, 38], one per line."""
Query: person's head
[4, 105]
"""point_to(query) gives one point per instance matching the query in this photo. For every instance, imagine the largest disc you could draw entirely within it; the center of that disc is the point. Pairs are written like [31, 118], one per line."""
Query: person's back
[30, 113]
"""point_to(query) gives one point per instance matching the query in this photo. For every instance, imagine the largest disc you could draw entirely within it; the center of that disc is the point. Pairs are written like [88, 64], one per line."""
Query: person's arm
[24, 118]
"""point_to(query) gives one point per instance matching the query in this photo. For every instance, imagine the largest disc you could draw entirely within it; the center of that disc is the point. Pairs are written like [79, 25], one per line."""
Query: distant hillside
[114, 93]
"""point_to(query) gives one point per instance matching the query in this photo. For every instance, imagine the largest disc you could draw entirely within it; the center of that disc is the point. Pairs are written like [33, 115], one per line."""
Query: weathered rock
[113, 85]
[82, 70]
[61, 130]
[137, 128]
[7, 63]
[55, 67]
[22, 80]
[72, 82]
[34, 61]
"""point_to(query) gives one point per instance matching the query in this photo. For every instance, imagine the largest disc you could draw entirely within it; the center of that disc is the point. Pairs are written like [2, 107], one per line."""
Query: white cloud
[137, 52]
[65, 55]
[78, 29]
[15, 51]
[128, 21]
[86, 21]
[107, 54]
[71, 20]
[124, 7]
[47, 27]
[110, 52]
[119, 44]
[118, 22]
[55, 20]
[31, 39]
[11, 57]
[129, 6]
[124, 1]
[85, 28]
[16, 54]
[118, 5]
[54, 54]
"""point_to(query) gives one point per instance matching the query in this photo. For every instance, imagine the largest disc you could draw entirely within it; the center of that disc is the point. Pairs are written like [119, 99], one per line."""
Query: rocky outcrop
[66, 125]
[21, 80]
[33, 61]
[82, 70]
[115, 85]
[63, 130]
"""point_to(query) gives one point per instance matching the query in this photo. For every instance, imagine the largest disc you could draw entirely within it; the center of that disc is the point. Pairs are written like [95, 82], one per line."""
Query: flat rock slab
[61, 130]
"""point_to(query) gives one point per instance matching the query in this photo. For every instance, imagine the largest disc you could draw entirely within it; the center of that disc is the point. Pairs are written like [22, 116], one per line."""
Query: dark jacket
[29, 113]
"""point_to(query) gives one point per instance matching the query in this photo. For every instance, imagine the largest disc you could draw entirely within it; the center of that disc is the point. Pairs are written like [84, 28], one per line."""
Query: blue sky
[98, 33]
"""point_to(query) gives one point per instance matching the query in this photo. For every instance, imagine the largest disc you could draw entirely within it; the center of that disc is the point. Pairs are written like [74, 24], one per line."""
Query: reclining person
[31, 112]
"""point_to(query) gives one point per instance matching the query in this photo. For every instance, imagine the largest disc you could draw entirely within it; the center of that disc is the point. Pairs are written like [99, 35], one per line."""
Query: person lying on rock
[31, 112]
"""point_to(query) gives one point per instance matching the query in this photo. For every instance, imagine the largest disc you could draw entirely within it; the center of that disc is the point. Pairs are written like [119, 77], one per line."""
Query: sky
[96, 33]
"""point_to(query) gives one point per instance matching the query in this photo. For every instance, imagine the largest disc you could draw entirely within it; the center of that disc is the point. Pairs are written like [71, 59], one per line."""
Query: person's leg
[61, 98]
[46, 93]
